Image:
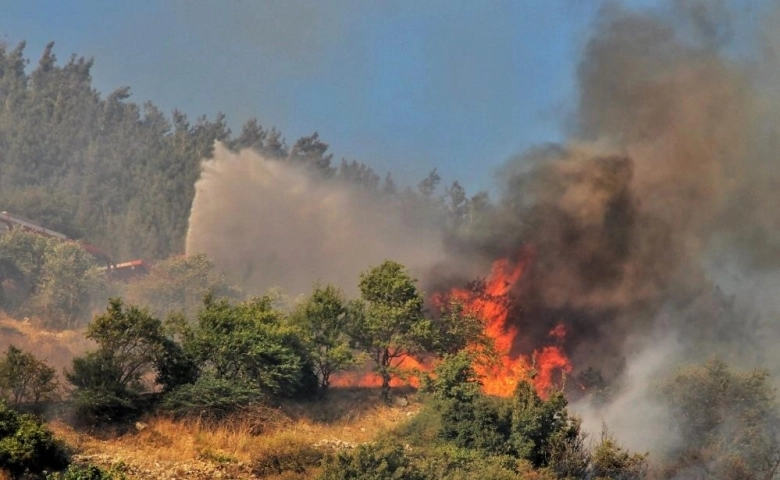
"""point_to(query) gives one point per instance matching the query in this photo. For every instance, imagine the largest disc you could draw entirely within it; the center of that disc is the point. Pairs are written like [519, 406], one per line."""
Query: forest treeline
[121, 174]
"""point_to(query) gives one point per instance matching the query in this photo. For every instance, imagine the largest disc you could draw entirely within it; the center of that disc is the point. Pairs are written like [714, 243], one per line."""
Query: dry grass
[346, 417]
[57, 348]
[165, 448]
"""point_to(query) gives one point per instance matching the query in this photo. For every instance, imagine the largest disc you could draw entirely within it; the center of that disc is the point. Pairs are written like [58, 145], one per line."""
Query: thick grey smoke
[268, 223]
[667, 192]
[670, 170]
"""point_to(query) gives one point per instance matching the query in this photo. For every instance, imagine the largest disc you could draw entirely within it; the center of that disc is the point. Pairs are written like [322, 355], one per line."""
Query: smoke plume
[669, 171]
[268, 223]
[664, 195]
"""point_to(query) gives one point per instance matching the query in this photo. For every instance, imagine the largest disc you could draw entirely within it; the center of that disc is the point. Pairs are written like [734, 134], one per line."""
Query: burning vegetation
[603, 263]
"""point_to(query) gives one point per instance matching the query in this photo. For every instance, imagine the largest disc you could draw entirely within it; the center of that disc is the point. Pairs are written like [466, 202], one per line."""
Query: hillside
[258, 444]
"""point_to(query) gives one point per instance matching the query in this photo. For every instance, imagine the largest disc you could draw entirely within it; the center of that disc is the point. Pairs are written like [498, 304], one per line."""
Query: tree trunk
[385, 386]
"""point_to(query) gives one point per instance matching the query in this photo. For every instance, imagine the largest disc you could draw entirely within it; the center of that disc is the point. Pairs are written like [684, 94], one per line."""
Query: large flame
[491, 305]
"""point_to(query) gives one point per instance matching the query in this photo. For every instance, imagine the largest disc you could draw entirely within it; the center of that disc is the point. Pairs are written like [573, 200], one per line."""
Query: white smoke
[268, 223]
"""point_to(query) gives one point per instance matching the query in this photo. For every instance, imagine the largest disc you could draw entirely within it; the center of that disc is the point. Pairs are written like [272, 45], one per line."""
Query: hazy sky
[404, 86]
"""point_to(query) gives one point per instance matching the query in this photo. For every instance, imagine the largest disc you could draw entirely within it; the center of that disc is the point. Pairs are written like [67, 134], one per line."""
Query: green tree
[428, 185]
[131, 345]
[324, 322]
[24, 378]
[132, 337]
[251, 342]
[178, 284]
[388, 322]
[69, 278]
[311, 152]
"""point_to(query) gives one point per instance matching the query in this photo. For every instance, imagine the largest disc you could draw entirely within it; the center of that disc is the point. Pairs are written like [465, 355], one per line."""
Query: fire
[407, 364]
[492, 306]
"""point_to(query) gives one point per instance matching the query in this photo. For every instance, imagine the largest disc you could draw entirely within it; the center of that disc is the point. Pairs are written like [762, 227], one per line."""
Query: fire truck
[115, 271]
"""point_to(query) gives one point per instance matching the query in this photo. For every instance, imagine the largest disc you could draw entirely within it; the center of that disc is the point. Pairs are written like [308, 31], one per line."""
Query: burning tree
[490, 301]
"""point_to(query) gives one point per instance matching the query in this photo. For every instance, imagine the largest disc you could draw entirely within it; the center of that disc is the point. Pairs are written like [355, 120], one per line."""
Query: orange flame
[491, 305]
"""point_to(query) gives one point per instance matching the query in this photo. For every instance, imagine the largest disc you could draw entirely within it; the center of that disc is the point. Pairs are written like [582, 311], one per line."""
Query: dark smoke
[663, 200]
[667, 172]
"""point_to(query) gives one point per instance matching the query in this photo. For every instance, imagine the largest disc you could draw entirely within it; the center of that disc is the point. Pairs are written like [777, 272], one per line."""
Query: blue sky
[404, 86]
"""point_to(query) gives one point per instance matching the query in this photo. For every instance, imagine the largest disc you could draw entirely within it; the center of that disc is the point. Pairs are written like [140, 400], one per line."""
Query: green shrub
[468, 418]
[99, 396]
[422, 429]
[28, 446]
[728, 420]
[611, 461]
[376, 461]
[210, 398]
[448, 462]
[84, 472]
[251, 342]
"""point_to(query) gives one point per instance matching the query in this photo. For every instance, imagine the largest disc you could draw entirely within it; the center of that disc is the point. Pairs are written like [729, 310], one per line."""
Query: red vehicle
[116, 271]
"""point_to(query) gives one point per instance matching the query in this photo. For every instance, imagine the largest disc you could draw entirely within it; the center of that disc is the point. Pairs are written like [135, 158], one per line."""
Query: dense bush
[376, 461]
[251, 342]
[448, 462]
[462, 433]
[84, 472]
[26, 445]
[45, 277]
[178, 284]
[611, 461]
[727, 421]
[210, 398]
[100, 396]
[132, 345]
